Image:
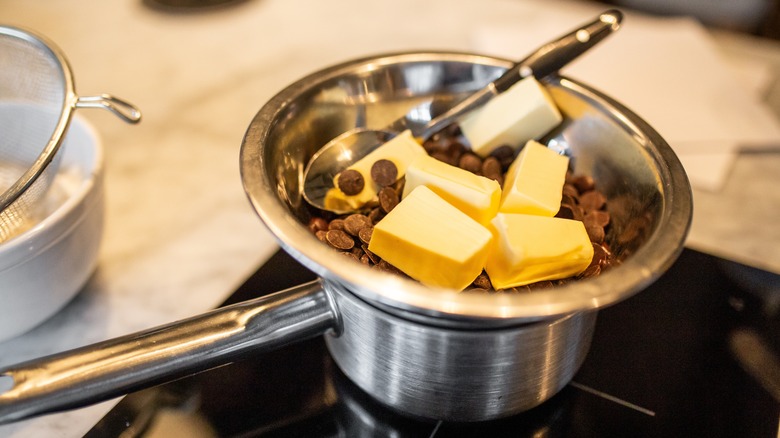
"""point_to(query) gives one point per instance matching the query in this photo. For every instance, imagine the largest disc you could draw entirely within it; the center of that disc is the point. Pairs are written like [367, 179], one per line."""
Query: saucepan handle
[111, 368]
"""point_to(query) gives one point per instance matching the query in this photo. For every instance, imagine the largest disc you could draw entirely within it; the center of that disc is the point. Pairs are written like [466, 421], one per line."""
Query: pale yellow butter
[525, 111]
[401, 150]
[472, 194]
[534, 181]
[528, 248]
[432, 241]
[335, 200]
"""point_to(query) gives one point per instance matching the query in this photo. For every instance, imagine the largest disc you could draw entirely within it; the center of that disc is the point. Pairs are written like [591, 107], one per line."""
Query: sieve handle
[122, 108]
[111, 368]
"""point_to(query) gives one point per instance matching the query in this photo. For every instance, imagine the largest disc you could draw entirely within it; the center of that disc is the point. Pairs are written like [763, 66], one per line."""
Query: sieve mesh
[32, 98]
[36, 104]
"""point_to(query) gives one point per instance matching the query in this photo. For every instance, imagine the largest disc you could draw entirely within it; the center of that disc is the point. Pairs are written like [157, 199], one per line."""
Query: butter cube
[534, 181]
[432, 241]
[401, 150]
[528, 248]
[475, 195]
[335, 200]
[523, 112]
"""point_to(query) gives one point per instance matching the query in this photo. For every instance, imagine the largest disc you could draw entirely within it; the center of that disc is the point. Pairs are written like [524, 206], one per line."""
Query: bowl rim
[64, 218]
[414, 300]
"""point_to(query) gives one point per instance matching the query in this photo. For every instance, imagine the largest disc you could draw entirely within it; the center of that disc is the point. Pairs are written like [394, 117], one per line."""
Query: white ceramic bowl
[43, 268]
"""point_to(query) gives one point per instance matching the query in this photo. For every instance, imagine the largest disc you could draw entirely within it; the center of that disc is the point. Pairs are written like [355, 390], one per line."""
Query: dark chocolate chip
[600, 255]
[351, 182]
[317, 224]
[470, 162]
[482, 281]
[356, 222]
[388, 199]
[571, 190]
[340, 240]
[351, 255]
[568, 199]
[505, 155]
[374, 258]
[565, 212]
[455, 150]
[491, 168]
[376, 215]
[590, 271]
[384, 172]
[365, 234]
[545, 284]
[336, 224]
[385, 266]
[596, 217]
[584, 183]
[441, 156]
[595, 233]
[592, 200]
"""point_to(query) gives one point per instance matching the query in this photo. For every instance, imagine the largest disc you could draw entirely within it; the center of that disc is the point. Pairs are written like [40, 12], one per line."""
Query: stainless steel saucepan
[423, 351]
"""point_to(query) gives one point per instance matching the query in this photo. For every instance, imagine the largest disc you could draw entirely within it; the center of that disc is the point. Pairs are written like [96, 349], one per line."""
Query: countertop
[180, 234]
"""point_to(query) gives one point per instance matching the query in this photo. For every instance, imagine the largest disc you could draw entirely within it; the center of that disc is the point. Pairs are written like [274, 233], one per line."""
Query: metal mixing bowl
[649, 194]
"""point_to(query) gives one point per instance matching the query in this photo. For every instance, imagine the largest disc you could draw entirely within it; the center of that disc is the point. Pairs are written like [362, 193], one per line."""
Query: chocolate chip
[571, 190]
[520, 289]
[365, 234]
[584, 183]
[470, 162]
[356, 222]
[541, 285]
[596, 217]
[339, 240]
[376, 215]
[505, 154]
[352, 256]
[336, 224]
[491, 168]
[565, 212]
[441, 156]
[351, 182]
[600, 255]
[317, 224]
[482, 281]
[592, 200]
[374, 258]
[398, 186]
[388, 199]
[631, 231]
[384, 172]
[567, 199]
[455, 150]
[383, 265]
[590, 271]
[595, 233]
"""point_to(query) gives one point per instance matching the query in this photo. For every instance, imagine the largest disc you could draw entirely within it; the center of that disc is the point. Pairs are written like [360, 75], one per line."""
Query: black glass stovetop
[685, 357]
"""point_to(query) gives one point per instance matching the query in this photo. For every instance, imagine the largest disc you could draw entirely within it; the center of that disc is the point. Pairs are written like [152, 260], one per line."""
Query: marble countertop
[180, 235]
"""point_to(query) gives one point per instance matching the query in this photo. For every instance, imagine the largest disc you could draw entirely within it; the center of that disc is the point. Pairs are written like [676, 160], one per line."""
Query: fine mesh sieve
[37, 99]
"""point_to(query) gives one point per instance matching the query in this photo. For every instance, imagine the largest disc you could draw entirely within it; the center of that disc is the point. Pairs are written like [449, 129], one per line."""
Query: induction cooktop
[695, 354]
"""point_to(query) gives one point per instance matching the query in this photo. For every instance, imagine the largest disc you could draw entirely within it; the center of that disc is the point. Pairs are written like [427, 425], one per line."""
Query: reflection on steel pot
[423, 351]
